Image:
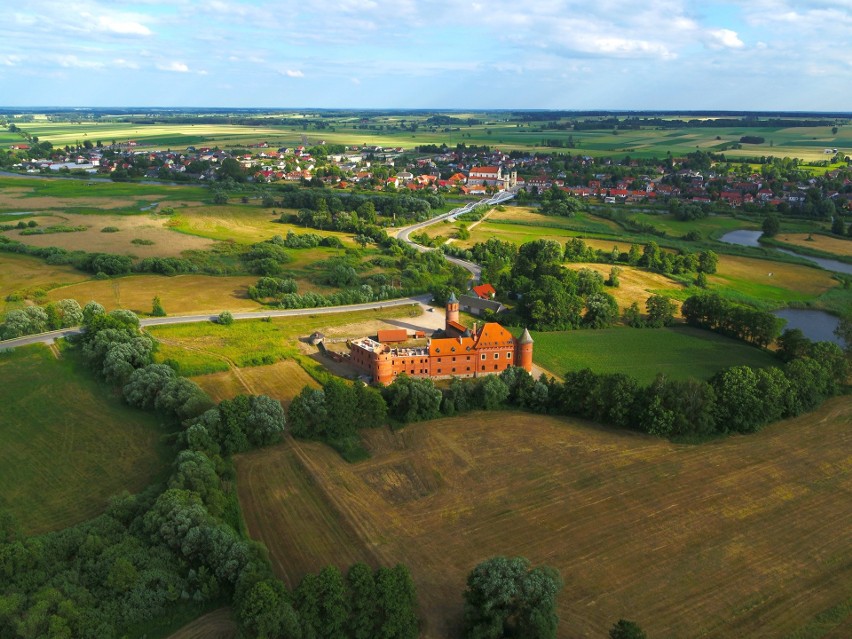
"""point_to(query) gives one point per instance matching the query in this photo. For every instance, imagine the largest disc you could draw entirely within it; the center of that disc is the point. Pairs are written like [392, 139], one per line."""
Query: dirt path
[474, 225]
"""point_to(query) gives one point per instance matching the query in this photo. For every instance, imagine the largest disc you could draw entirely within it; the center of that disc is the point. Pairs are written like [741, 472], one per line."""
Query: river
[816, 325]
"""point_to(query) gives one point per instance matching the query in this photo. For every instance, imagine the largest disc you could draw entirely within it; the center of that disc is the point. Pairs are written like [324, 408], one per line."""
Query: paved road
[49, 338]
[475, 269]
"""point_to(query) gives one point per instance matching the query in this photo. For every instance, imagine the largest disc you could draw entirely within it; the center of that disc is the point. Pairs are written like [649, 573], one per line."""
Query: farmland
[828, 243]
[282, 381]
[680, 352]
[67, 443]
[493, 129]
[635, 284]
[732, 538]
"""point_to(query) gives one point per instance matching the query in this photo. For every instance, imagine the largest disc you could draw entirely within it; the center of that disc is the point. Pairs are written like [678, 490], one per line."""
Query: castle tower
[452, 311]
[524, 351]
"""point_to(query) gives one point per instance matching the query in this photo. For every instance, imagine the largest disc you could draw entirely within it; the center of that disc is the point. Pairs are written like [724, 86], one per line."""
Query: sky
[430, 54]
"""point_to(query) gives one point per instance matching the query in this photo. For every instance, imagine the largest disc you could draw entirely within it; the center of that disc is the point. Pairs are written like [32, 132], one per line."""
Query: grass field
[282, 381]
[249, 342]
[828, 243]
[67, 443]
[736, 538]
[679, 352]
[27, 274]
[708, 226]
[776, 283]
[178, 293]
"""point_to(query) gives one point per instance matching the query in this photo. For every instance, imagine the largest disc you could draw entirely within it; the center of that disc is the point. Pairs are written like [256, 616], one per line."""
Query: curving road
[52, 336]
[475, 269]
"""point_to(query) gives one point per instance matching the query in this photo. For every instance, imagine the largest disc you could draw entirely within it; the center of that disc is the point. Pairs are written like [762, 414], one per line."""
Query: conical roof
[452, 299]
[526, 338]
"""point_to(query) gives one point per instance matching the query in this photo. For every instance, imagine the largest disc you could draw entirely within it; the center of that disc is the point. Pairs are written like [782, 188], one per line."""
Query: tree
[157, 309]
[837, 226]
[613, 279]
[362, 601]
[701, 280]
[844, 330]
[411, 399]
[624, 629]
[225, 318]
[601, 310]
[504, 598]
[792, 344]
[396, 602]
[771, 225]
[144, 384]
[632, 316]
[661, 311]
[707, 262]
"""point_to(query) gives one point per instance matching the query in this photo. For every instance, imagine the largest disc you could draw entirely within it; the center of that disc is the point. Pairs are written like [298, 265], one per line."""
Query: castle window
[453, 349]
[437, 350]
[508, 356]
[496, 355]
[495, 367]
[483, 357]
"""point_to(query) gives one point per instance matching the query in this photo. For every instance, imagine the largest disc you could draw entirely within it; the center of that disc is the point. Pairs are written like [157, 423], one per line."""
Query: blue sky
[551, 54]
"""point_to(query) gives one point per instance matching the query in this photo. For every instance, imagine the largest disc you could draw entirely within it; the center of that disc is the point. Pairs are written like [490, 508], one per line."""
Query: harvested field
[635, 285]
[742, 537]
[829, 244]
[178, 293]
[153, 228]
[218, 624]
[282, 381]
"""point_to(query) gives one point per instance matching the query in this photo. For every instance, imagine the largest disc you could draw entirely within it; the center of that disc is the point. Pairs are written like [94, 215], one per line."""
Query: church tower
[523, 351]
[452, 311]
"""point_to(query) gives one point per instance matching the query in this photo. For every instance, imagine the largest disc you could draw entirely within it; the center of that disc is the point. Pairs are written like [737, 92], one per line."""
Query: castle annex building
[461, 352]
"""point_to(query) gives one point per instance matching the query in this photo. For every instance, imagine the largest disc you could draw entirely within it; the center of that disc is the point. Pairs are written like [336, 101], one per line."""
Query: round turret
[452, 310]
[524, 351]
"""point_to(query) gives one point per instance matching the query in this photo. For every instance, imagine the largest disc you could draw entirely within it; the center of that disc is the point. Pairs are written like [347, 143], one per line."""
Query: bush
[110, 229]
[225, 318]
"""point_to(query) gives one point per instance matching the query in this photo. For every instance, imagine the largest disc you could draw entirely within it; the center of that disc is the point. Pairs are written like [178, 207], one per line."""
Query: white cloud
[121, 63]
[725, 38]
[73, 62]
[10, 60]
[122, 26]
[177, 67]
[294, 73]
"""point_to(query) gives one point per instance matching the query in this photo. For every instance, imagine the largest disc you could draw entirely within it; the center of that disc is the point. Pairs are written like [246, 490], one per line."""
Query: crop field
[282, 381]
[517, 233]
[588, 222]
[155, 229]
[180, 294]
[250, 342]
[679, 352]
[67, 443]
[774, 282]
[635, 285]
[828, 243]
[737, 537]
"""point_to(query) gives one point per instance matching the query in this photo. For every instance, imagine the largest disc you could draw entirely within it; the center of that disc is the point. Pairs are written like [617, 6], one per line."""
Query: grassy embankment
[68, 443]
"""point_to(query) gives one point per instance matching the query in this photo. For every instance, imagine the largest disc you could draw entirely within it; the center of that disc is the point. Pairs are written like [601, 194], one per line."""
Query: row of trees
[713, 312]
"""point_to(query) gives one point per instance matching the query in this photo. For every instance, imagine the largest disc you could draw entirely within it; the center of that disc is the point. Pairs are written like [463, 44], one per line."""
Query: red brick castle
[460, 352]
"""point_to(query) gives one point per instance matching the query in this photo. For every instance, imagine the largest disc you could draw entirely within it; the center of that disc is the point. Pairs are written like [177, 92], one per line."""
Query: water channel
[749, 238]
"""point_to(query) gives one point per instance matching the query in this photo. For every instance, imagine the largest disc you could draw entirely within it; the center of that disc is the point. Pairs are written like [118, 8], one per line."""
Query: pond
[750, 238]
[816, 325]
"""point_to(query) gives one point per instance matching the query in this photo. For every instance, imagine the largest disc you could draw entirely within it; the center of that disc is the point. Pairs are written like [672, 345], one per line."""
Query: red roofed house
[485, 291]
[462, 352]
[492, 176]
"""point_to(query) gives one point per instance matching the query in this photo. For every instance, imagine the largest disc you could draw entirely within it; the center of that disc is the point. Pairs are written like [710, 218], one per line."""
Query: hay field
[282, 381]
[150, 228]
[67, 442]
[180, 294]
[635, 284]
[828, 243]
[746, 536]
[581, 221]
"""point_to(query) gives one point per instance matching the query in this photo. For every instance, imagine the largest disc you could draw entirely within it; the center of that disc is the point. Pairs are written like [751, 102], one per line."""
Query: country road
[49, 338]
[475, 269]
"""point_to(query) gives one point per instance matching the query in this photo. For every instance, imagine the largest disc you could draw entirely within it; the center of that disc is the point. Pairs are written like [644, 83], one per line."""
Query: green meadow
[67, 442]
[680, 352]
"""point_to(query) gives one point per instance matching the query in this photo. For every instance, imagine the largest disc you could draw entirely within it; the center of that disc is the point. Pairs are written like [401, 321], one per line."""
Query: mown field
[635, 284]
[679, 352]
[218, 624]
[67, 443]
[734, 538]
[25, 274]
